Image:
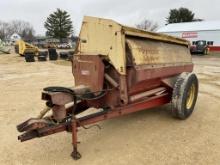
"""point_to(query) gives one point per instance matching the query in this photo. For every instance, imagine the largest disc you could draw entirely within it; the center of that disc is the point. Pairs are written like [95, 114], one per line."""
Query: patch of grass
[62, 62]
[211, 54]
[215, 54]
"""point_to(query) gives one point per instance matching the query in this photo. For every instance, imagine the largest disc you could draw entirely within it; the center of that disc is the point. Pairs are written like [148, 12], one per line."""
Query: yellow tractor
[23, 48]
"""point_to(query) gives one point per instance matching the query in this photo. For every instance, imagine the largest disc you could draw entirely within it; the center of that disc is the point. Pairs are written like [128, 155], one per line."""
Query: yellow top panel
[157, 53]
[108, 38]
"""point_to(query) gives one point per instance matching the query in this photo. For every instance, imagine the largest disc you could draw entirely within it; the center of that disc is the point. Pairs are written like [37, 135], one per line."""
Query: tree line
[59, 25]
[175, 16]
[22, 28]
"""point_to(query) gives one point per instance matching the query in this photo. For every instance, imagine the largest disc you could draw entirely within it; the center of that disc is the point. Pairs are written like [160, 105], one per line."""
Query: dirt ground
[146, 137]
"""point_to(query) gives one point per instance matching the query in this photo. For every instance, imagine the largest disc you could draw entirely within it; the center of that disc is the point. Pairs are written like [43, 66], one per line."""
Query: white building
[194, 31]
[14, 37]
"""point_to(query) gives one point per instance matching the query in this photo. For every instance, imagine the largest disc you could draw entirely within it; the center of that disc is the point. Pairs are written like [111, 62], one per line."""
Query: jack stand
[75, 154]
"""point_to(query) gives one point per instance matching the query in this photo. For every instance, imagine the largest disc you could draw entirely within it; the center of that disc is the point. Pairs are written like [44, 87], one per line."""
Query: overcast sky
[123, 11]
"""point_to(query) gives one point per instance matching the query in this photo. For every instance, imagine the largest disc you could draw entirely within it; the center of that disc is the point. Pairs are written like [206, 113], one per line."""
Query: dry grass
[147, 137]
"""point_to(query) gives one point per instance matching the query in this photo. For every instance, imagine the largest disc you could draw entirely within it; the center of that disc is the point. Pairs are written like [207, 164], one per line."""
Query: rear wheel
[184, 95]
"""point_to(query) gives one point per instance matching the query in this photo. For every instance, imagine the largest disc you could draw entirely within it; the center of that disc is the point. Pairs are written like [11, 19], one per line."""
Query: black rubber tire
[71, 53]
[42, 58]
[180, 94]
[52, 54]
[29, 57]
[64, 55]
[43, 53]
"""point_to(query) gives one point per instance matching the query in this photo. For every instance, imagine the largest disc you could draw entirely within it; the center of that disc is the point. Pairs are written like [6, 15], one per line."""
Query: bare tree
[23, 28]
[147, 25]
[4, 30]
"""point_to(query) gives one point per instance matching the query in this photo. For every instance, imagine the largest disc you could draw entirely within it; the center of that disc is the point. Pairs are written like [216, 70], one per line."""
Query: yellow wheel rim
[190, 96]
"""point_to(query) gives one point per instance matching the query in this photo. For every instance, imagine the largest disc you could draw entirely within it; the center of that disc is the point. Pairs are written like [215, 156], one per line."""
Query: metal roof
[191, 26]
